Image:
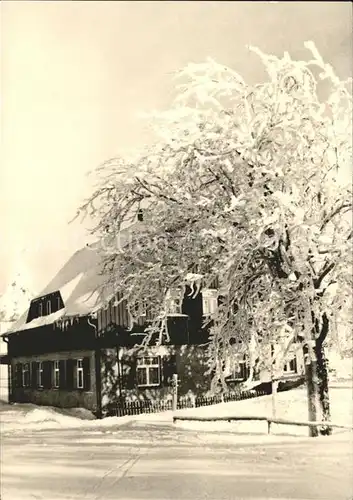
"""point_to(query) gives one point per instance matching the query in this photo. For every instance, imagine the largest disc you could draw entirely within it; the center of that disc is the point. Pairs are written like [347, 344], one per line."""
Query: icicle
[194, 281]
[166, 329]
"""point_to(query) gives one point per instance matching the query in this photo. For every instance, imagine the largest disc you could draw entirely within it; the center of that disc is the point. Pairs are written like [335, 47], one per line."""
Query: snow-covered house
[69, 349]
[73, 348]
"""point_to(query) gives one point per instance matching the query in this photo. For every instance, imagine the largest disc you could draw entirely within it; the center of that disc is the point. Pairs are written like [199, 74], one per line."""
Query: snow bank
[291, 405]
[26, 416]
[341, 369]
[18, 418]
[22, 417]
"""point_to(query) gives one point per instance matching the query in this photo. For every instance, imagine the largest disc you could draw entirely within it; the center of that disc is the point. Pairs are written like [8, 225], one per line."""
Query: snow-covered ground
[19, 418]
[140, 463]
[53, 454]
[289, 405]
[341, 369]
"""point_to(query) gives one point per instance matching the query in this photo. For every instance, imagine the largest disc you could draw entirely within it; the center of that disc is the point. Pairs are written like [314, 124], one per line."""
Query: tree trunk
[322, 373]
[321, 332]
[312, 389]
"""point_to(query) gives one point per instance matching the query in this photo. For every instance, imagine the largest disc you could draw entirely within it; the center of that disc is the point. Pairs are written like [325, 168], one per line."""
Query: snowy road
[139, 461]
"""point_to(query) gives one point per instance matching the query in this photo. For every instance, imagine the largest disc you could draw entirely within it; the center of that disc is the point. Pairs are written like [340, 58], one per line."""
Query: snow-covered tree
[15, 300]
[249, 183]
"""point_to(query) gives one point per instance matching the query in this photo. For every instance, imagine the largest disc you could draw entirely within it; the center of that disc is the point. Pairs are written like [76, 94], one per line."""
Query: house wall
[59, 397]
[116, 313]
[119, 373]
[4, 380]
[192, 366]
[52, 338]
[182, 330]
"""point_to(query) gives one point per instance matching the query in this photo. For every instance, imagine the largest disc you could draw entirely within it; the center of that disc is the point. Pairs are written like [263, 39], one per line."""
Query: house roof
[80, 285]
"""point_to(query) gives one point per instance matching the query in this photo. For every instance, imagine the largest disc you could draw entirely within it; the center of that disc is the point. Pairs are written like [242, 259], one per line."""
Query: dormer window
[44, 306]
[173, 302]
[209, 302]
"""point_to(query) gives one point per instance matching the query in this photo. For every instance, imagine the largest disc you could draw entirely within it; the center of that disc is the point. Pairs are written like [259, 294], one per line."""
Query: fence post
[175, 392]
[268, 426]
[274, 389]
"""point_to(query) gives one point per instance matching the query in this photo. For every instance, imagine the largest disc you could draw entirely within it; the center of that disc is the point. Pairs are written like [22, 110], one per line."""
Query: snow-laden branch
[247, 184]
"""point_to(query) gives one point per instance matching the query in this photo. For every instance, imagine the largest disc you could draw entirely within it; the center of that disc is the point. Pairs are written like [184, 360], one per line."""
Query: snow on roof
[90, 301]
[5, 326]
[67, 290]
[43, 320]
[80, 284]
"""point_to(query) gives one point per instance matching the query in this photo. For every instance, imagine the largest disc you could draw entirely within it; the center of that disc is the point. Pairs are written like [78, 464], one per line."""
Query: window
[209, 302]
[291, 366]
[48, 307]
[40, 309]
[241, 371]
[25, 375]
[40, 374]
[58, 303]
[173, 301]
[79, 374]
[244, 370]
[148, 371]
[56, 374]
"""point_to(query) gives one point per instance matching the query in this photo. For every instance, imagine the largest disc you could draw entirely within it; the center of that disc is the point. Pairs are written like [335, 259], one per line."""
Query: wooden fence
[122, 408]
[269, 420]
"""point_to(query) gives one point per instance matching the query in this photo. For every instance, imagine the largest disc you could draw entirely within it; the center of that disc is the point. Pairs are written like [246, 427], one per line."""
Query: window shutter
[34, 370]
[74, 376]
[47, 374]
[86, 374]
[18, 375]
[62, 374]
[131, 375]
[168, 370]
[70, 374]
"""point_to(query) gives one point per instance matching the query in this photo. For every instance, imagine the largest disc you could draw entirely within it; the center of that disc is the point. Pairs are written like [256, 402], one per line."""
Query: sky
[76, 75]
